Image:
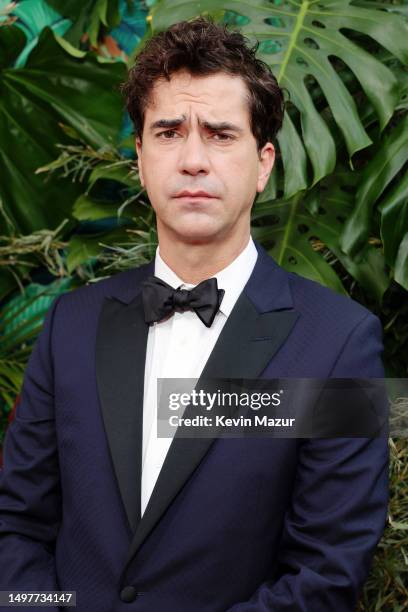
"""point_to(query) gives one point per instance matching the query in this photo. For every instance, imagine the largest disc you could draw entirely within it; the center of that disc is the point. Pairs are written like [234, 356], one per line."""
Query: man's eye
[223, 137]
[167, 134]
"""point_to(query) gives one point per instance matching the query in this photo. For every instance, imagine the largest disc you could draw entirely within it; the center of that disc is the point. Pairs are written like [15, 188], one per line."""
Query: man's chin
[197, 235]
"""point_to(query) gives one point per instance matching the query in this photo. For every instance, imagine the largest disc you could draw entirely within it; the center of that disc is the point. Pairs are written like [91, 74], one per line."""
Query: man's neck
[194, 262]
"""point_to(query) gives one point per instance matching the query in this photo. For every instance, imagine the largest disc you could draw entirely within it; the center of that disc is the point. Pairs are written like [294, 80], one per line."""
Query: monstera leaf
[286, 235]
[301, 41]
[394, 230]
[54, 87]
[296, 231]
[382, 169]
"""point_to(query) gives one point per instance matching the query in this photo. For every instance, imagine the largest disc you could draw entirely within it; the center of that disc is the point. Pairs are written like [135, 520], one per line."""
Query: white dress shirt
[179, 347]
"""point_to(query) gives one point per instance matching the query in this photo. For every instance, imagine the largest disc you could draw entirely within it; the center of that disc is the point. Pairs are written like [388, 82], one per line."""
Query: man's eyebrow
[208, 125]
[221, 126]
[167, 123]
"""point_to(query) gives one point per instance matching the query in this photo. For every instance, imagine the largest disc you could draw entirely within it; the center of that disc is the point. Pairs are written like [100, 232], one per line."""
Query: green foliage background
[335, 210]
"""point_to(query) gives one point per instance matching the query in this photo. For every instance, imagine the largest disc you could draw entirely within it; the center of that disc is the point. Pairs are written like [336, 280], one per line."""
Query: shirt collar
[232, 279]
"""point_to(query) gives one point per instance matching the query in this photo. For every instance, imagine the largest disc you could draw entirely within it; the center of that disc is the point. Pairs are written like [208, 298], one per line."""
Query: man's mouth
[194, 194]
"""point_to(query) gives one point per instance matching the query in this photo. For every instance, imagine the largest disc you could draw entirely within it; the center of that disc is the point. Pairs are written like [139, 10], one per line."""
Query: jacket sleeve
[338, 510]
[30, 495]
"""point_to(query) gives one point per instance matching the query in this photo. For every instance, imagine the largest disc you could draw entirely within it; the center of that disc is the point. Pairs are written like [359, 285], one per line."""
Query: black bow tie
[160, 300]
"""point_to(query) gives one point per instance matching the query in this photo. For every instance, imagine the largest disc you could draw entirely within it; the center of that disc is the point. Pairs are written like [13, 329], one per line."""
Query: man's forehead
[214, 93]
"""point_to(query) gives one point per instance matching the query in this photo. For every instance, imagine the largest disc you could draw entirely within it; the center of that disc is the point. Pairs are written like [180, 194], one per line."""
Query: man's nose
[194, 155]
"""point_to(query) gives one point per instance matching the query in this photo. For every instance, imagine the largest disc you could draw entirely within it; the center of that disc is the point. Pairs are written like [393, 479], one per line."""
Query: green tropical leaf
[87, 16]
[298, 230]
[21, 321]
[53, 87]
[22, 316]
[11, 379]
[12, 41]
[394, 219]
[68, 84]
[299, 41]
[119, 171]
[288, 236]
[87, 209]
[7, 283]
[401, 263]
[84, 248]
[32, 17]
[377, 175]
[331, 203]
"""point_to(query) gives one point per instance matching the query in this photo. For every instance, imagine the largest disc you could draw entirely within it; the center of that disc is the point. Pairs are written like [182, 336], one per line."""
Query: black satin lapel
[120, 364]
[248, 341]
[245, 346]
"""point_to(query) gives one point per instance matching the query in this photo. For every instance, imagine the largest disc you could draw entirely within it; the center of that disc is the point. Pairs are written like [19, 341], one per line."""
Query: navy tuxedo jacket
[233, 524]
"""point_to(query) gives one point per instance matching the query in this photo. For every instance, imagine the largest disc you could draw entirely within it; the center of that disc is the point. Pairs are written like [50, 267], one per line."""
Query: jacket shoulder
[123, 285]
[315, 299]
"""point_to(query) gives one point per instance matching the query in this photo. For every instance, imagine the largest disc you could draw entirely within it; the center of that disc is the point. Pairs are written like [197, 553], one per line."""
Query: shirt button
[128, 593]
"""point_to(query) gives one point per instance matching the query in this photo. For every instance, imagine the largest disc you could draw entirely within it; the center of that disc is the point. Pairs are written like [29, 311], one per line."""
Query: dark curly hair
[202, 48]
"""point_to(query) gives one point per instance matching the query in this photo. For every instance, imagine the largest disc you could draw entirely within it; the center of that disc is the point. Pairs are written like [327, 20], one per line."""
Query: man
[90, 498]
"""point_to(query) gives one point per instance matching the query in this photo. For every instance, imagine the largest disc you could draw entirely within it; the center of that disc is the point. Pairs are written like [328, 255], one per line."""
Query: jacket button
[128, 594]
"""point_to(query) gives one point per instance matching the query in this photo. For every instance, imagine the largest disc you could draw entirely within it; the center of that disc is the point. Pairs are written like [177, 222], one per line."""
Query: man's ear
[265, 165]
[139, 159]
